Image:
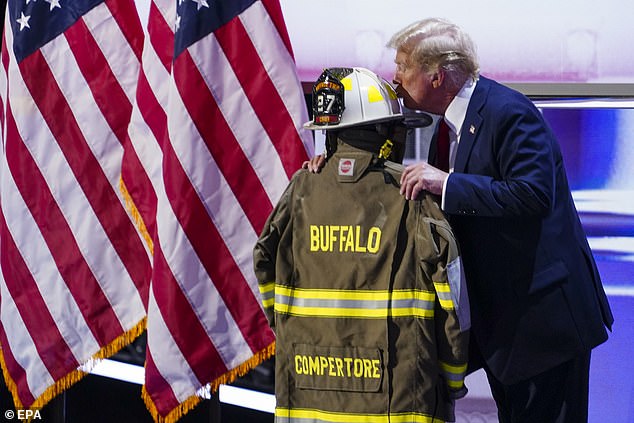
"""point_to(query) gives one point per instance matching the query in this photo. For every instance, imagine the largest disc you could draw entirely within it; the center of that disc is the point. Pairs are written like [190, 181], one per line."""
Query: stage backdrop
[543, 41]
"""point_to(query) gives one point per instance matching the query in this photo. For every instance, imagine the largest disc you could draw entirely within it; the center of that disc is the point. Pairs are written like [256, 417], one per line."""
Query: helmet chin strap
[386, 150]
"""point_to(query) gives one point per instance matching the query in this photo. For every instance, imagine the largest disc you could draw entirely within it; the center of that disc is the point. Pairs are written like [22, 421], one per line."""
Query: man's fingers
[315, 164]
[416, 190]
[405, 175]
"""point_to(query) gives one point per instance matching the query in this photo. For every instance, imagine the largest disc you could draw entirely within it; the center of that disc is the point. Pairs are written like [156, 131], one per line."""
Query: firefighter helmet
[344, 97]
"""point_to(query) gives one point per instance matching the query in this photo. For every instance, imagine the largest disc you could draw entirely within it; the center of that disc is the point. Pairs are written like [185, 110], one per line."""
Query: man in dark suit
[538, 306]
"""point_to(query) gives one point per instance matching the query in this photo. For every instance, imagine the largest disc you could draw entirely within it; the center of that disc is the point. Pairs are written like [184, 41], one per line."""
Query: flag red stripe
[101, 195]
[177, 313]
[157, 387]
[18, 375]
[50, 345]
[220, 141]
[262, 95]
[161, 37]
[59, 238]
[5, 53]
[108, 94]
[127, 16]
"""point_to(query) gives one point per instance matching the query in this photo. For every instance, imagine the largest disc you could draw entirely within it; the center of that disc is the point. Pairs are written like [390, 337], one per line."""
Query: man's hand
[315, 164]
[420, 177]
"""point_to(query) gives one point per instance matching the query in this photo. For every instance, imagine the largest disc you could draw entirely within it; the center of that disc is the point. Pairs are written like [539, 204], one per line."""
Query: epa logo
[23, 414]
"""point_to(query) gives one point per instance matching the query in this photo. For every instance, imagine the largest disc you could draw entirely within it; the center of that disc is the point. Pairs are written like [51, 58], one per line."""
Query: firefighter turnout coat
[363, 291]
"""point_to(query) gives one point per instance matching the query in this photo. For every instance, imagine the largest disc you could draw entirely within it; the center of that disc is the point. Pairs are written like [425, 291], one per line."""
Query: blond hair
[436, 43]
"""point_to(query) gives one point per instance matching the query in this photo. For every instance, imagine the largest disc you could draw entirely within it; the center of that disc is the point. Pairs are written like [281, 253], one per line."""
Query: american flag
[214, 138]
[74, 271]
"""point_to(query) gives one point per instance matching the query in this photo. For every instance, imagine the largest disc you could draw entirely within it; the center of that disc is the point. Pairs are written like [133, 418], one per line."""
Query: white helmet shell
[367, 98]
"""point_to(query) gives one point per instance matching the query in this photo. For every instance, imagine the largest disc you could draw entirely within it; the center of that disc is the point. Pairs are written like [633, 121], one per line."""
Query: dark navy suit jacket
[535, 292]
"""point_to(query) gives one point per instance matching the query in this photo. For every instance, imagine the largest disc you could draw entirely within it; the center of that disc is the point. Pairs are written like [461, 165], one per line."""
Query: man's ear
[437, 78]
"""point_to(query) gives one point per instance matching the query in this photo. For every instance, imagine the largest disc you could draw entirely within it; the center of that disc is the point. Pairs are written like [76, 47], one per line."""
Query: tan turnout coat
[364, 293]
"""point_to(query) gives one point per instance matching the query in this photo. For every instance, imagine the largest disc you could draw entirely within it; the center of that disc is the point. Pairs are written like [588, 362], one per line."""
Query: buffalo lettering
[344, 239]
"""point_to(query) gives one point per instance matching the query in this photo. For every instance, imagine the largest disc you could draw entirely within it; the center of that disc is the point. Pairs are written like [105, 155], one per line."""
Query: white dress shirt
[455, 116]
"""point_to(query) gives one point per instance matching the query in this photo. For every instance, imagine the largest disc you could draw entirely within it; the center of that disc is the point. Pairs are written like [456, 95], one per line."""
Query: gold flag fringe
[135, 215]
[76, 375]
[13, 389]
[191, 402]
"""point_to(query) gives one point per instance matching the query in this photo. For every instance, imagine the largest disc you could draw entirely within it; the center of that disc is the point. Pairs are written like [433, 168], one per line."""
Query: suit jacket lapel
[471, 124]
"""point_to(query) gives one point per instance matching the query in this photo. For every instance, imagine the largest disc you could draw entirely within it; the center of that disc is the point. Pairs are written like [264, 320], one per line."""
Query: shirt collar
[457, 110]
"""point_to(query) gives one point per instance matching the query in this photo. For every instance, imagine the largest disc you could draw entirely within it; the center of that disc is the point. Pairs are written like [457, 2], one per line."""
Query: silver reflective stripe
[267, 292]
[458, 283]
[354, 303]
[454, 374]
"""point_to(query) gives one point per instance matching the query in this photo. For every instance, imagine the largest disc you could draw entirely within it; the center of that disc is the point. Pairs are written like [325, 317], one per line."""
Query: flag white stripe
[156, 74]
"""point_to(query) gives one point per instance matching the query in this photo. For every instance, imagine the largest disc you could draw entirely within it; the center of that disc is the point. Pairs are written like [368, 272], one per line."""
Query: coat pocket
[353, 369]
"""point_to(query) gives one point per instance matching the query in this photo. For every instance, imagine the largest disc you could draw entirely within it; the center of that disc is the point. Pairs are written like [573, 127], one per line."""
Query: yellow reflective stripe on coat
[267, 291]
[361, 304]
[454, 374]
[284, 415]
[444, 295]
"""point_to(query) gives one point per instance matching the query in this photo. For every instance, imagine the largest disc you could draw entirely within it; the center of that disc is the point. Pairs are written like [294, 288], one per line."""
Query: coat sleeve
[444, 267]
[266, 252]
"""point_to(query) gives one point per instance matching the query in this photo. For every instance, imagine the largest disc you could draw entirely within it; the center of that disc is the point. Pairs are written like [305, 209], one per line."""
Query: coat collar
[472, 123]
